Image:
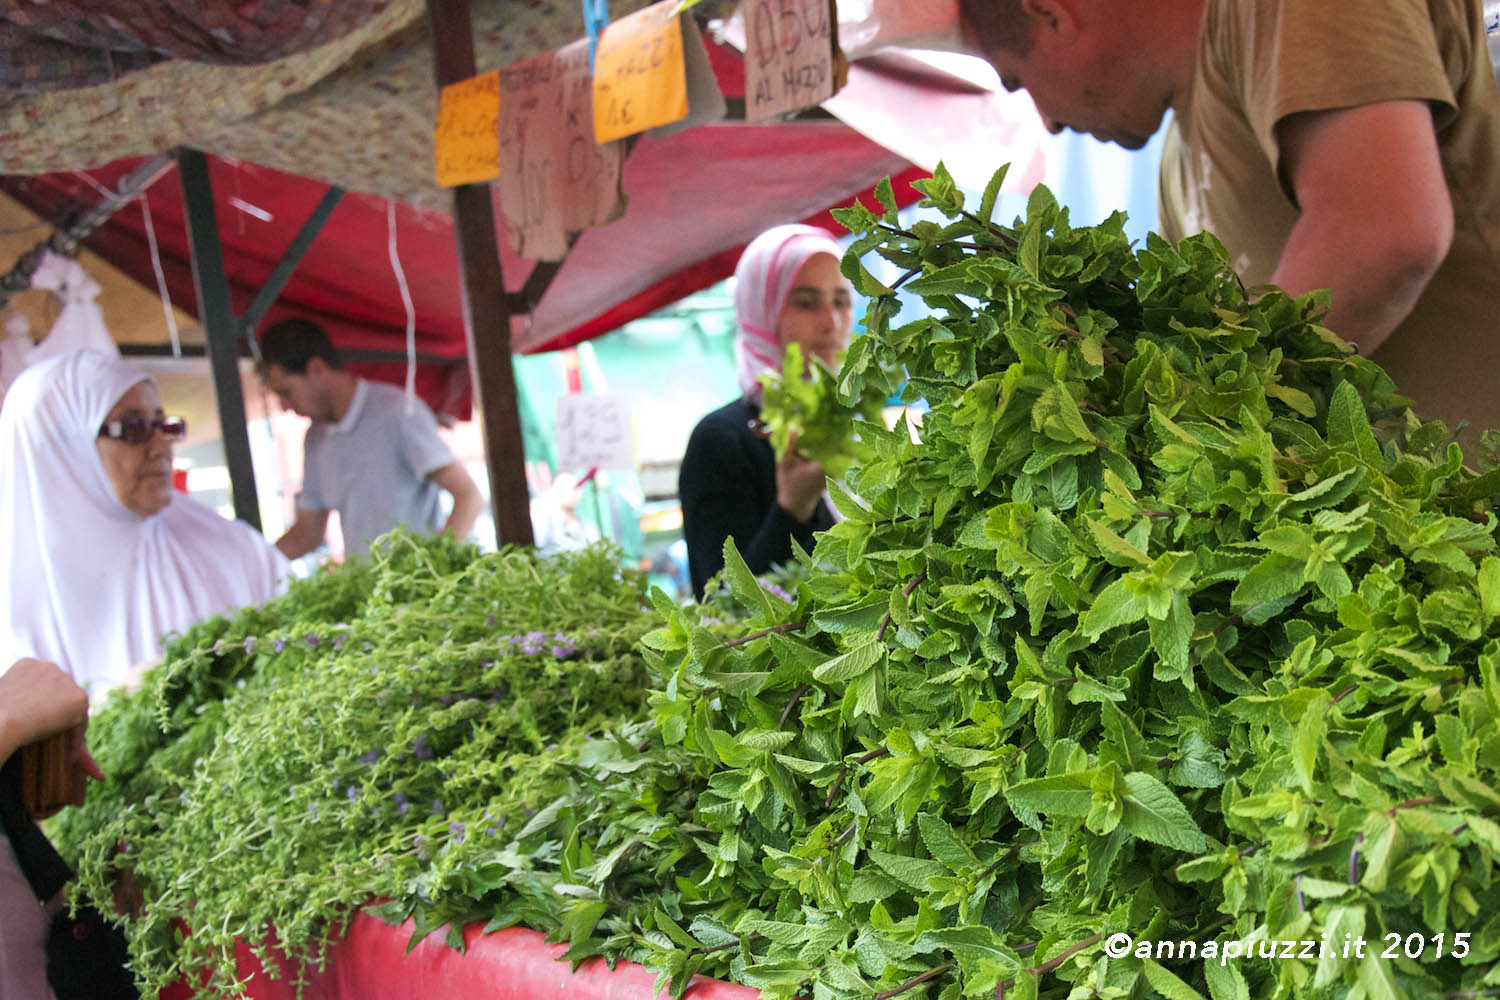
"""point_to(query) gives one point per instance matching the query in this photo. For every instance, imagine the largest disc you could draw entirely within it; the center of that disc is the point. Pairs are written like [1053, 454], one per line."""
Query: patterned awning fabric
[64, 44]
[356, 111]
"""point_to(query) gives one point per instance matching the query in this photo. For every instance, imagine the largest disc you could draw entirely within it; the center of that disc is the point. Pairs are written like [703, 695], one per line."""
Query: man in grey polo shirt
[372, 453]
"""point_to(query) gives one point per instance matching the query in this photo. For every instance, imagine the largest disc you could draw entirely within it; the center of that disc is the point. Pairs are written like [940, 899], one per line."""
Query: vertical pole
[220, 329]
[486, 308]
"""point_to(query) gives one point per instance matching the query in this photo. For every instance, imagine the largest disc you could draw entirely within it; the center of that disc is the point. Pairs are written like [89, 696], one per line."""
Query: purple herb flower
[337, 784]
[529, 812]
[422, 748]
[249, 645]
[775, 591]
[489, 621]
[371, 756]
[401, 804]
[531, 648]
[420, 843]
[339, 640]
[278, 645]
[457, 829]
[352, 794]
[445, 699]
[493, 829]
[312, 639]
[437, 807]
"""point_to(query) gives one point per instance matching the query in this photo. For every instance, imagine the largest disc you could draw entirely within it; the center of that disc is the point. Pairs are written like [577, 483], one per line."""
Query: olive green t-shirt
[1262, 60]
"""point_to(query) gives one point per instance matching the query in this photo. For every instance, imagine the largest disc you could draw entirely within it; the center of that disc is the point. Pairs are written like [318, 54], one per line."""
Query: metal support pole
[220, 329]
[486, 305]
[287, 266]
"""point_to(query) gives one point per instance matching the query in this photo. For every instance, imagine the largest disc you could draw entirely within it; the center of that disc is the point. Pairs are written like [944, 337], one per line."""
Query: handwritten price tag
[466, 141]
[555, 180]
[789, 57]
[639, 78]
[594, 431]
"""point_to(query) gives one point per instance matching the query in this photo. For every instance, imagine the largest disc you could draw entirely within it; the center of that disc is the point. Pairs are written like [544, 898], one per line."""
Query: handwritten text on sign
[788, 57]
[466, 143]
[639, 78]
[554, 179]
[593, 431]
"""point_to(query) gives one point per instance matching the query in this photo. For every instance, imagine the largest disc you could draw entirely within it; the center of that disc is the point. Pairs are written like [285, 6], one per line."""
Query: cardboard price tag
[555, 180]
[790, 60]
[593, 431]
[466, 141]
[639, 77]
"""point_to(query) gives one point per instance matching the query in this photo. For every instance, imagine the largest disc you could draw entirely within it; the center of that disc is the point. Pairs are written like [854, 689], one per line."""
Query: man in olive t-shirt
[1353, 146]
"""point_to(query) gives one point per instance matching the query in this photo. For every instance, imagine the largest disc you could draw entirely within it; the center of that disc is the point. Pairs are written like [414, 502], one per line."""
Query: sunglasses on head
[138, 430]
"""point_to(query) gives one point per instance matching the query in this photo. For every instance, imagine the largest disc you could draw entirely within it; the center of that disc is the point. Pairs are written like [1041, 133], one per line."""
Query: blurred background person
[372, 453]
[788, 289]
[104, 557]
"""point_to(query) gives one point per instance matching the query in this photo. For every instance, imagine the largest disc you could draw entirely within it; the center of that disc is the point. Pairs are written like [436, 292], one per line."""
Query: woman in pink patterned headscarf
[788, 290]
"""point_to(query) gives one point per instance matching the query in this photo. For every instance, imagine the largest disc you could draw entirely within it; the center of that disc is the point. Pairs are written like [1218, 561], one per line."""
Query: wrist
[10, 737]
[798, 510]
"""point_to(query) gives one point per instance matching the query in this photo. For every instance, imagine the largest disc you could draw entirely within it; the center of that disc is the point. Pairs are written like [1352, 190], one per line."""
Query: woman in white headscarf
[104, 557]
[788, 290]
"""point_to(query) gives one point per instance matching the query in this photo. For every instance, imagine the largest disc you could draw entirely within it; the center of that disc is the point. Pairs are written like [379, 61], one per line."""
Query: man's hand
[1376, 217]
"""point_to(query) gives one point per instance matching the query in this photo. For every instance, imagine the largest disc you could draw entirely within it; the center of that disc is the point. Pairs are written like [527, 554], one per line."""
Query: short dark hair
[995, 25]
[291, 343]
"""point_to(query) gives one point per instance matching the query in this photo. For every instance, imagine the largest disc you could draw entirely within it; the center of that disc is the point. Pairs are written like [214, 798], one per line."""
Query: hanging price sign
[555, 180]
[639, 77]
[466, 141]
[789, 56]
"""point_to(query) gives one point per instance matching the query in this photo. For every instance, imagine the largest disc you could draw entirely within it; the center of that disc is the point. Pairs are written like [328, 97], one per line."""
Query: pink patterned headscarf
[763, 279]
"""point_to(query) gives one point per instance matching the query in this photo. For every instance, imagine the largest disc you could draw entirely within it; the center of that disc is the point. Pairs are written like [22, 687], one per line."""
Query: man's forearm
[1376, 218]
[1369, 295]
[466, 510]
[295, 543]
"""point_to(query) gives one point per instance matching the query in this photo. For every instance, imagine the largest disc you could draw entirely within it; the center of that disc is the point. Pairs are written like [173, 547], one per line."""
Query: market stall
[1169, 639]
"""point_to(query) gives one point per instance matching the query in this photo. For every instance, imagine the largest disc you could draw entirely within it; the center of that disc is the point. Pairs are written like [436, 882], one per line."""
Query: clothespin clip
[595, 17]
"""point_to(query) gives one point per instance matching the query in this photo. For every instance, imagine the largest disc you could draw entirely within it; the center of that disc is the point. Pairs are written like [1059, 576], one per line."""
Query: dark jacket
[727, 484]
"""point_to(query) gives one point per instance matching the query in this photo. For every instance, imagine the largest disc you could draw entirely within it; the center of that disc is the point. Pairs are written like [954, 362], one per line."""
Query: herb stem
[786, 713]
[1050, 964]
[1425, 800]
[781, 629]
[906, 592]
[913, 983]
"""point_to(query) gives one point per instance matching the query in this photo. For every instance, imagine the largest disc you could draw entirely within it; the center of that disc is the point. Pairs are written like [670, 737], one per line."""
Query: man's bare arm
[1376, 220]
[468, 502]
[305, 534]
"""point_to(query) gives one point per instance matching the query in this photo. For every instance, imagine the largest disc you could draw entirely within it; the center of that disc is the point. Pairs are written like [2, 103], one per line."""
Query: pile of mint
[1169, 621]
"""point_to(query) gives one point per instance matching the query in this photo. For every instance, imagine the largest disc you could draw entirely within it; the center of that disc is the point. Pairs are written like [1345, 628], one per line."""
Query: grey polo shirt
[372, 466]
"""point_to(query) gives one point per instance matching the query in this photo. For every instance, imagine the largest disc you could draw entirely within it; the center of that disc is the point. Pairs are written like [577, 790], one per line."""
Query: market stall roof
[354, 107]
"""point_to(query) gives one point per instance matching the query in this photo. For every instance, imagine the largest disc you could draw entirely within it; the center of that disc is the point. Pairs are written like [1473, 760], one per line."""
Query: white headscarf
[87, 583]
[763, 279]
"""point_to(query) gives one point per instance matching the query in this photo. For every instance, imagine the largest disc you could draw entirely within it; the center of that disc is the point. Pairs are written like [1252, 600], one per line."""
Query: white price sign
[593, 431]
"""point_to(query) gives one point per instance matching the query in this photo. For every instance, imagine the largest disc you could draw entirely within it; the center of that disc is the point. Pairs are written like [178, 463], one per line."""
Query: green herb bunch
[348, 740]
[1176, 623]
[803, 409]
